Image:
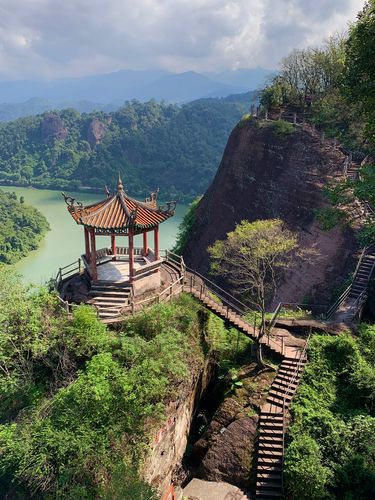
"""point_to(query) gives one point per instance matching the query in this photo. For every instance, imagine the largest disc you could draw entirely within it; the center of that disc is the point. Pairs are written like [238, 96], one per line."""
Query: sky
[46, 39]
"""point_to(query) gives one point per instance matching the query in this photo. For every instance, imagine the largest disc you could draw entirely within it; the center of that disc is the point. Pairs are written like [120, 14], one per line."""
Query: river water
[65, 242]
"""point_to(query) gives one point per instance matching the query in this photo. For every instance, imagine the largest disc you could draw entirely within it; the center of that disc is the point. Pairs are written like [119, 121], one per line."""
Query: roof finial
[120, 187]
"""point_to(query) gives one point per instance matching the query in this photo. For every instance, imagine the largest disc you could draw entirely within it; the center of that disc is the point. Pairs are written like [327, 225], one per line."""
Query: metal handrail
[221, 290]
[242, 309]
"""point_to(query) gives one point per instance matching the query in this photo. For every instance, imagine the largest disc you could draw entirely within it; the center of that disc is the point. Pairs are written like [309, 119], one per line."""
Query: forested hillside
[22, 228]
[152, 145]
[81, 404]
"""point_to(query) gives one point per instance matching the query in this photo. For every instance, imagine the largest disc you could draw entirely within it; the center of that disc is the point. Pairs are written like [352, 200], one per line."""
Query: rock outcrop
[52, 127]
[230, 456]
[263, 176]
[96, 132]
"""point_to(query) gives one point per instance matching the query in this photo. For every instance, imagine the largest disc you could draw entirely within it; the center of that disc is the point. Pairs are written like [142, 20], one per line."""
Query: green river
[65, 242]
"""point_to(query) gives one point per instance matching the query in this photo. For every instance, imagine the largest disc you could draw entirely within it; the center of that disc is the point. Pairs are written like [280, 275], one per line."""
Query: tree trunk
[260, 355]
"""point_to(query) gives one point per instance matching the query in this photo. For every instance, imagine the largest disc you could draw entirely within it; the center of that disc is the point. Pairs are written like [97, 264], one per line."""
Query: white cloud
[52, 38]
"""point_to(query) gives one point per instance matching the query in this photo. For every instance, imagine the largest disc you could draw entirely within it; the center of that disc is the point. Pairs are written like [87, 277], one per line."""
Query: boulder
[230, 456]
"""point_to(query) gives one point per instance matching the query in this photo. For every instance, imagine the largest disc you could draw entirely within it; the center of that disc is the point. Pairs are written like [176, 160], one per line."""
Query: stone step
[106, 315]
[107, 303]
[111, 293]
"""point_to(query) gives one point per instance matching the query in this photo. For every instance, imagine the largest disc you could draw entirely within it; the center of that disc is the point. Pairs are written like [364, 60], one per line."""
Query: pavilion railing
[68, 271]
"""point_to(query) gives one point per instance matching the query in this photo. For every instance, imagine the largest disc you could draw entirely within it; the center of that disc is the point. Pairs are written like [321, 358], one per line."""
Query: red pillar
[94, 271]
[156, 242]
[113, 246]
[131, 256]
[87, 244]
[145, 245]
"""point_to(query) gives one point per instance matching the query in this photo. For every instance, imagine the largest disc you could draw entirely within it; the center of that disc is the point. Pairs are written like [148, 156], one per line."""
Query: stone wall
[169, 443]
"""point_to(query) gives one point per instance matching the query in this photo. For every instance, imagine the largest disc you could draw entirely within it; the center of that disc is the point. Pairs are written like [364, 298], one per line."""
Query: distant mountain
[249, 78]
[36, 105]
[107, 92]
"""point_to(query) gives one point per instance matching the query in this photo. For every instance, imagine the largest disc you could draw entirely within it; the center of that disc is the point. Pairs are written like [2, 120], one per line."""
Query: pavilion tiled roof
[119, 212]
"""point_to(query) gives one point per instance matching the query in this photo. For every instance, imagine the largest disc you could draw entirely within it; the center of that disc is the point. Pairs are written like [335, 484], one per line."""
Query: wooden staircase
[272, 427]
[363, 275]
[109, 298]
[235, 319]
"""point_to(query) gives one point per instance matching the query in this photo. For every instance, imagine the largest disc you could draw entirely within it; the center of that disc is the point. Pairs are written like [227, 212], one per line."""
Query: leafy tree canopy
[22, 228]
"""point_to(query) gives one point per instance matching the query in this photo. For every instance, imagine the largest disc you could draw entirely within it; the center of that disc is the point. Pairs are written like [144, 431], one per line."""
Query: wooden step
[266, 493]
[265, 438]
[276, 402]
[274, 463]
[272, 485]
[280, 395]
[270, 432]
[270, 476]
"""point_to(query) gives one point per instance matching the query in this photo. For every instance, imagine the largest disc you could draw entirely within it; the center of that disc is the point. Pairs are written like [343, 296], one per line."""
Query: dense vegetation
[332, 438]
[22, 228]
[176, 148]
[76, 397]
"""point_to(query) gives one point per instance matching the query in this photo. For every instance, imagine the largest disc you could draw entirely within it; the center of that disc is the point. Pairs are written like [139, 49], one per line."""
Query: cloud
[55, 38]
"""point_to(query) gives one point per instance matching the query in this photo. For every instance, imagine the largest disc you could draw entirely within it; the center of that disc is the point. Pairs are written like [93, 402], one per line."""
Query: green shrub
[305, 475]
[333, 425]
[282, 128]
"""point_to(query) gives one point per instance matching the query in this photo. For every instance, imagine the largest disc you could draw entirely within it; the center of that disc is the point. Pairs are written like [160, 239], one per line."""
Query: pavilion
[116, 216]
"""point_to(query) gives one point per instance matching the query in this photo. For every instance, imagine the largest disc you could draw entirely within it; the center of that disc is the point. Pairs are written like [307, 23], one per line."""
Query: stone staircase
[109, 298]
[272, 427]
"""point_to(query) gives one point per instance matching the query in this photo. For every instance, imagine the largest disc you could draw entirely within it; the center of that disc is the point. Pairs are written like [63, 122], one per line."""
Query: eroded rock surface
[264, 176]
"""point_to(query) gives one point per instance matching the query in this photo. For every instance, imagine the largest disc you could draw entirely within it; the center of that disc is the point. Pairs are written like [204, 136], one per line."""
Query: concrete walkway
[207, 490]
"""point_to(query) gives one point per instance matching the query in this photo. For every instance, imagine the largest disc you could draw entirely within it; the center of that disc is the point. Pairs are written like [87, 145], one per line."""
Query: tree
[360, 65]
[251, 258]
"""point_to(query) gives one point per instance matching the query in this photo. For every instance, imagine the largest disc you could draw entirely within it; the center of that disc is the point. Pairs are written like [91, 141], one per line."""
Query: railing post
[201, 291]
[294, 118]
[266, 116]
[191, 283]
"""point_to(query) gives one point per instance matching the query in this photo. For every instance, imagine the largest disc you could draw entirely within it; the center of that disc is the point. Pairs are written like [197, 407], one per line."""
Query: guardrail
[205, 286]
[67, 272]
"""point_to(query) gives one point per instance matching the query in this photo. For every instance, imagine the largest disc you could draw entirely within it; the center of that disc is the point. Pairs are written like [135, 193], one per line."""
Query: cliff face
[264, 176]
